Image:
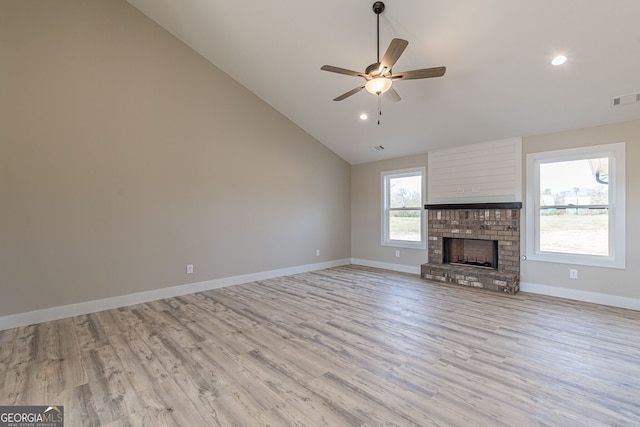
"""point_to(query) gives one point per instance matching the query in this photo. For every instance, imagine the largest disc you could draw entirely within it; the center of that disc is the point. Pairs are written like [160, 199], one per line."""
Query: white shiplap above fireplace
[490, 172]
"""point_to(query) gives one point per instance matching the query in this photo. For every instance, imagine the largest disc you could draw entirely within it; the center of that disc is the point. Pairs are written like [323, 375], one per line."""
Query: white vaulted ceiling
[499, 82]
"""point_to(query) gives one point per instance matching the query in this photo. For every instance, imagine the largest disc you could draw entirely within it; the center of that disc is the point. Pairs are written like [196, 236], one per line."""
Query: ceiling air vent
[626, 99]
[377, 148]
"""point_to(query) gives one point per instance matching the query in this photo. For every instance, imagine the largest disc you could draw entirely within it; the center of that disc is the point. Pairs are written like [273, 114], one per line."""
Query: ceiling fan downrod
[378, 8]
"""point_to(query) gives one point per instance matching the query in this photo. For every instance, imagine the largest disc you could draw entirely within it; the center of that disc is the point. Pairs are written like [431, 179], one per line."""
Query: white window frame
[386, 176]
[617, 245]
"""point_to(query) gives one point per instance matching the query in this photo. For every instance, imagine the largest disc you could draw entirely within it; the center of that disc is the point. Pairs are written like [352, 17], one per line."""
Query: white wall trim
[534, 288]
[61, 312]
[412, 269]
[585, 296]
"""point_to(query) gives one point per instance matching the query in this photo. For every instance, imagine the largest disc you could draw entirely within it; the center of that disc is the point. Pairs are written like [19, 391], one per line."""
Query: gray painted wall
[125, 155]
[366, 201]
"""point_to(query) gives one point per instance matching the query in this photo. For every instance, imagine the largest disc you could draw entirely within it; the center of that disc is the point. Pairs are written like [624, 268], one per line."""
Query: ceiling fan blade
[348, 94]
[392, 95]
[395, 49]
[339, 70]
[425, 73]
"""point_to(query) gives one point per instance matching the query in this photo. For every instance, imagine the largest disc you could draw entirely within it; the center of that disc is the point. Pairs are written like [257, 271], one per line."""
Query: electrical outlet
[189, 268]
[397, 254]
[317, 252]
[573, 273]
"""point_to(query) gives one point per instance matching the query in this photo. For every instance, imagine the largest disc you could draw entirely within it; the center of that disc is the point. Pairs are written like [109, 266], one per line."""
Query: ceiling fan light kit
[378, 85]
[379, 76]
[559, 60]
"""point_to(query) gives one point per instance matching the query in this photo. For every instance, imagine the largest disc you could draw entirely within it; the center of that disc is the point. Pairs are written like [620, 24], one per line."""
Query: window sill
[405, 244]
[587, 260]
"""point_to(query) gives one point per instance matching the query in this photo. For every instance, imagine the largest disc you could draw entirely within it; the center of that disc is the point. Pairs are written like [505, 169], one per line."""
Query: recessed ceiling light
[363, 116]
[559, 60]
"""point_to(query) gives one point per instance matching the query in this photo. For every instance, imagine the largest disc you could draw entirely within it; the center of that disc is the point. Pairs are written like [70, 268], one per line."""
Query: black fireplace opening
[473, 252]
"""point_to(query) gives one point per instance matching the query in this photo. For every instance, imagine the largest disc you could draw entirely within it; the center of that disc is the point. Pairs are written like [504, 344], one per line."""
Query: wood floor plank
[345, 346]
[90, 332]
[154, 386]
[114, 395]
[285, 416]
[79, 407]
[320, 410]
[358, 399]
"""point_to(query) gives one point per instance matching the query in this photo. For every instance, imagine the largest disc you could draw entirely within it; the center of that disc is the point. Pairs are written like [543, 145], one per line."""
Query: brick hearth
[499, 222]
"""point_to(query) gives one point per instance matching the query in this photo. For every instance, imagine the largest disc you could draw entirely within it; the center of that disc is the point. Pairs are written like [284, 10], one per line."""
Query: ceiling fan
[379, 76]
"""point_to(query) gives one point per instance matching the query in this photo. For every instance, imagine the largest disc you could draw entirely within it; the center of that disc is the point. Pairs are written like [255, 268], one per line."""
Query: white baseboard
[572, 294]
[61, 312]
[412, 269]
[585, 296]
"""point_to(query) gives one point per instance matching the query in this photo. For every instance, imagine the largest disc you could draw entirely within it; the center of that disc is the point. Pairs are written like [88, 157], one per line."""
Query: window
[403, 219]
[576, 206]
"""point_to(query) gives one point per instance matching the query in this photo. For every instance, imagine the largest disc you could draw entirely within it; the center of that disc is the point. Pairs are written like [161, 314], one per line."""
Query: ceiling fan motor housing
[373, 69]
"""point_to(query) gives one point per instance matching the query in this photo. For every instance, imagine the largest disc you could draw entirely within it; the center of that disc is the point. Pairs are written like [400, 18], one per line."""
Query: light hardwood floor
[347, 346]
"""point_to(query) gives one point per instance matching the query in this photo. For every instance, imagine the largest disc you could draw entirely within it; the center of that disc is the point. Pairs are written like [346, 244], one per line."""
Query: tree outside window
[403, 217]
[576, 206]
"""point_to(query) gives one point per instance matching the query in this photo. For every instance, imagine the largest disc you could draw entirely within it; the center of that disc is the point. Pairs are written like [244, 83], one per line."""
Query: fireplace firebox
[474, 252]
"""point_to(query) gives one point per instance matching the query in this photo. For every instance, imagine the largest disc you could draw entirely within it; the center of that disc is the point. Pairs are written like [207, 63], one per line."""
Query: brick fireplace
[476, 245]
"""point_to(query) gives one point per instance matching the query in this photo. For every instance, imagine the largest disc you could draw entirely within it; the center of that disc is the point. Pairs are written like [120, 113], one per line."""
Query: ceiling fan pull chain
[379, 108]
